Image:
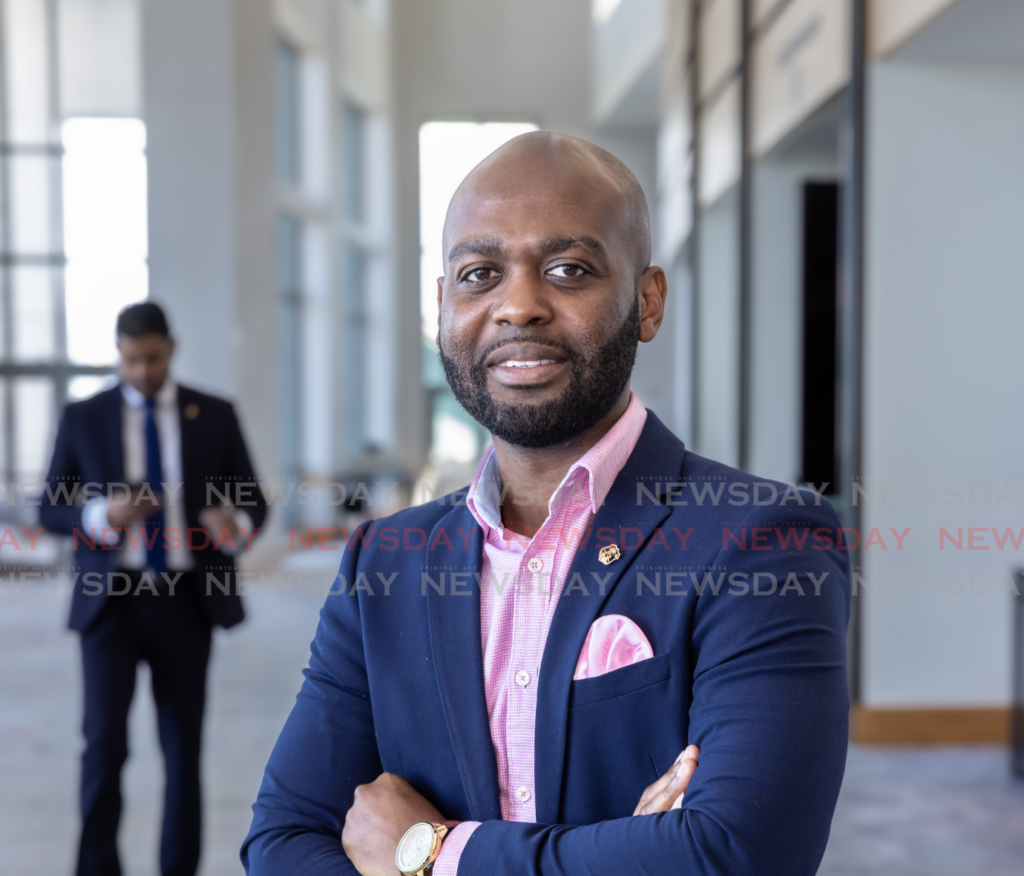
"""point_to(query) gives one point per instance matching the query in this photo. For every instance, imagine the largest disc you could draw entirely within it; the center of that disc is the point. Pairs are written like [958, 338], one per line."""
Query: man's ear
[652, 289]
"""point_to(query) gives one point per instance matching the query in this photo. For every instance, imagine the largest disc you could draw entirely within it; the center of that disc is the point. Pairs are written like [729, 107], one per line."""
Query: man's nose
[524, 301]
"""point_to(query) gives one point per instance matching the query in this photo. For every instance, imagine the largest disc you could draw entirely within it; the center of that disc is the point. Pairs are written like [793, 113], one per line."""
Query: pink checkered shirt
[521, 581]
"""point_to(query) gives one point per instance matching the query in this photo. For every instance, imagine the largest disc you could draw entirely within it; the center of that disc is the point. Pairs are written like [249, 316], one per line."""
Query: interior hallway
[910, 812]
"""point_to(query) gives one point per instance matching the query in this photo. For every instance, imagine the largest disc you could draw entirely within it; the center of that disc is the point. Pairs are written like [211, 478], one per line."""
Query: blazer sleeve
[327, 748]
[769, 712]
[243, 470]
[56, 513]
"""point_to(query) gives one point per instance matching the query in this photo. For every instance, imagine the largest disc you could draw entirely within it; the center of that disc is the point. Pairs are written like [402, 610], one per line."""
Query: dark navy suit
[172, 634]
[88, 451]
[757, 680]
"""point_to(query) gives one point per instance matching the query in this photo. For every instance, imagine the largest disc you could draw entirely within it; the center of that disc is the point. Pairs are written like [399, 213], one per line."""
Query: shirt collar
[166, 395]
[594, 472]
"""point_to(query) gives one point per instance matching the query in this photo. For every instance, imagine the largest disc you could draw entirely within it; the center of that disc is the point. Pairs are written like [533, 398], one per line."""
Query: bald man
[607, 655]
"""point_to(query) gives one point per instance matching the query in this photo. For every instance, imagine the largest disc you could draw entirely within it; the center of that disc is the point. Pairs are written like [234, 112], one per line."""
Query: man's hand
[667, 792]
[128, 509]
[217, 520]
[383, 811]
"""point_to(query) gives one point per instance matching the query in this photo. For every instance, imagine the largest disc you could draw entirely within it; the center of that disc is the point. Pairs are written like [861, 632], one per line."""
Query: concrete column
[208, 103]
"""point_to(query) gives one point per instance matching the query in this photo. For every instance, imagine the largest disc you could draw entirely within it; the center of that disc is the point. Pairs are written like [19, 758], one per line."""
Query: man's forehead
[524, 220]
[500, 187]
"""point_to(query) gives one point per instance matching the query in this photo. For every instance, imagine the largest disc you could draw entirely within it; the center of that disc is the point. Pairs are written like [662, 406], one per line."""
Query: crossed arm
[387, 807]
[768, 710]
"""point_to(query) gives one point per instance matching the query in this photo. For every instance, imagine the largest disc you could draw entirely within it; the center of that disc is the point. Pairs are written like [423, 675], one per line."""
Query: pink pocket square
[613, 641]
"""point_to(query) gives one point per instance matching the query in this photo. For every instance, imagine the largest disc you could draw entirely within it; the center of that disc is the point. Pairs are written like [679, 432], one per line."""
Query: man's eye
[480, 275]
[567, 271]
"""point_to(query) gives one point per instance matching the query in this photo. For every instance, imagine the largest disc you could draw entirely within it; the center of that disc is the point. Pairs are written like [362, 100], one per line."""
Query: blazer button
[523, 794]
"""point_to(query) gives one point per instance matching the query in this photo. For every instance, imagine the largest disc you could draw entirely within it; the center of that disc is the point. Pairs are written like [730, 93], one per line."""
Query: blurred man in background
[133, 473]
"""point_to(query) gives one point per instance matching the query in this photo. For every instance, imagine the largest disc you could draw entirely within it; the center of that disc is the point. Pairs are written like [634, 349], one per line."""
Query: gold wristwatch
[420, 845]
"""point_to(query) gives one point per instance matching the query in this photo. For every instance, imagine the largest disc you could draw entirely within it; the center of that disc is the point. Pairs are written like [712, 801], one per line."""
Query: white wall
[188, 88]
[943, 403]
[718, 332]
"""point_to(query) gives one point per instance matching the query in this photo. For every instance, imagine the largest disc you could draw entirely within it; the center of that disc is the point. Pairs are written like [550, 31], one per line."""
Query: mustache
[570, 353]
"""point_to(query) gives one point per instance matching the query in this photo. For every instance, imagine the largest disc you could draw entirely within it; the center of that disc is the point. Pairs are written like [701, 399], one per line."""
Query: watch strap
[441, 831]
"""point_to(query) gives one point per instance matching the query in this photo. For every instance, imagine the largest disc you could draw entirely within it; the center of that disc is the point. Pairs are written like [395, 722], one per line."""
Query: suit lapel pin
[609, 554]
[191, 411]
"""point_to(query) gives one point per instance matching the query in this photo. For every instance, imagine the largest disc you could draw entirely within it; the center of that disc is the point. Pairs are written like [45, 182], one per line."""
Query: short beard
[599, 375]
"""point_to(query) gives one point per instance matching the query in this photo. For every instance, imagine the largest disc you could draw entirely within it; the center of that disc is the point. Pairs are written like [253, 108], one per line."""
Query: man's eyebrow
[485, 246]
[554, 245]
[492, 247]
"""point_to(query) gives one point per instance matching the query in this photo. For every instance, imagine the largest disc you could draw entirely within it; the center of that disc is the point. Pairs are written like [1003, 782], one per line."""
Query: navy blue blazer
[88, 450]
[745, 601]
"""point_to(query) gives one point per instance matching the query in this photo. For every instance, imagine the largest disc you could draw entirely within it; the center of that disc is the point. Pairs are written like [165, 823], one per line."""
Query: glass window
[289, 233]
[85, 385]
[5, 460]
[455, 435]
[105, 231]
[355, 346]
[56, 326]
[287, 112]
[32, 310]
[354, 163]
[34, 406]
[30, 204]
[27, 71]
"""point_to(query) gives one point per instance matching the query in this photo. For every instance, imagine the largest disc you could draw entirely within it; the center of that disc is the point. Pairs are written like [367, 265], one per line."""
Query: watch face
[414, 848]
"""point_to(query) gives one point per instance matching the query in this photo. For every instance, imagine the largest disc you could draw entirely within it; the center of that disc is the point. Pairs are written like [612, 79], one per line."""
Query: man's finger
[653, 790]
[666, 793]
[662, 801]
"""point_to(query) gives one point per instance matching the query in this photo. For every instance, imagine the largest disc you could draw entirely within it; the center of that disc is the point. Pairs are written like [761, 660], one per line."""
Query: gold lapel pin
[191, 411]
[609, 554]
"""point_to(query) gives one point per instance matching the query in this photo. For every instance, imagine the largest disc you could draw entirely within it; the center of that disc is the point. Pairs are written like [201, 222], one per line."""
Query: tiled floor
[902, 813]
[927, 812]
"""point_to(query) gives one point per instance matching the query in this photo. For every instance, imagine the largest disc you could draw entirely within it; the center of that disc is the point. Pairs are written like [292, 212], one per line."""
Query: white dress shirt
[133, 444]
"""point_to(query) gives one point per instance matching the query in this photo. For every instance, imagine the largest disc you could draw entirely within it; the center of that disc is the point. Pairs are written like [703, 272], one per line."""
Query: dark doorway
[820, 281]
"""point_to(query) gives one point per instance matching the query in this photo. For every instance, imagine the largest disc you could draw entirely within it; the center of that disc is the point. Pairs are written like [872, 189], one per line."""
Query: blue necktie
[156, 556]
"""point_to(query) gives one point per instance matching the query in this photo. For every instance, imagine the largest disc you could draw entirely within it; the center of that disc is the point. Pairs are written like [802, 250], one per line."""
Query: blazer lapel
[113, 424]
[189, 418]
[656, 460]
[454, 622]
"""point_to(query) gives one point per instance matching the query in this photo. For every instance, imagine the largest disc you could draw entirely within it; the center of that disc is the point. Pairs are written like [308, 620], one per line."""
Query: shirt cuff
[447, 863]
[244, 523]
[94, 521]
[243, 520]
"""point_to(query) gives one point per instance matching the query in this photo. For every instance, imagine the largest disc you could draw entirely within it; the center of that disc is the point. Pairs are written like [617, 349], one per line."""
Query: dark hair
[139, 320]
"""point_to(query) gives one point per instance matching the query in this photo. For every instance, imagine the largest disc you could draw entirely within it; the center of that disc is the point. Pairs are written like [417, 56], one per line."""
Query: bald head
[556, 167]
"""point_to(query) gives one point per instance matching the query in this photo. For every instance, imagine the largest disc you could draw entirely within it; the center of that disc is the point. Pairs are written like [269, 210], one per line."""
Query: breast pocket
[620, 682]
[621, 724]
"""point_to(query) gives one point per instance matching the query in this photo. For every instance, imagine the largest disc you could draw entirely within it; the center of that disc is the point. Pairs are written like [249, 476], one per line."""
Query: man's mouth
[526, 364]
[520, 363]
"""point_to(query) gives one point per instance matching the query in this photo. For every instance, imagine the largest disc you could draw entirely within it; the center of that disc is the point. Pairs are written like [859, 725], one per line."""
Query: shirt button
[522, 678]
[523, 794]
[535, 564]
